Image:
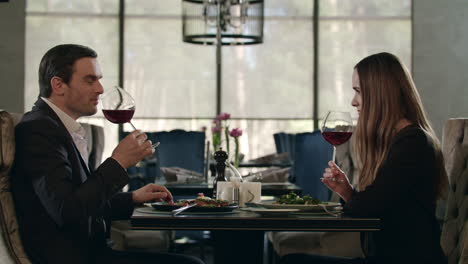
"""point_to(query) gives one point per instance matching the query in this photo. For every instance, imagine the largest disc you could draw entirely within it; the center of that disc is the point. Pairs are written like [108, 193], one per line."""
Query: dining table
[192, 189]
[238, 235]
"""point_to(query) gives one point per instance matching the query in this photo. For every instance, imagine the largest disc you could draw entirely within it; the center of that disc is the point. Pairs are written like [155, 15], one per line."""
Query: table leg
[238, 246]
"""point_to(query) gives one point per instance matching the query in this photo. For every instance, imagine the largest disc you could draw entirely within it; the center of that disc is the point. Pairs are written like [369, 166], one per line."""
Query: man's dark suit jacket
[62, 208]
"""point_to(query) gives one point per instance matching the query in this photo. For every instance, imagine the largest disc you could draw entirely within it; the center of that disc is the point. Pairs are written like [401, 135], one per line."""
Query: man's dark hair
[58, 61]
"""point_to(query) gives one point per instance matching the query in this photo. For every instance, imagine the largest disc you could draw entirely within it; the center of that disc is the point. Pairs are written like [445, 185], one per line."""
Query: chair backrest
[312, 154]
[285, 142]
[346, 160]
[179, 148]
[95, 137]
[12, 250]
[454, 239]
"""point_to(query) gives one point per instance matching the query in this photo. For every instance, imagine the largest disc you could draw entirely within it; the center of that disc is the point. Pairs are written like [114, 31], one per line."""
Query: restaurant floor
[205, 250]
[202, 250]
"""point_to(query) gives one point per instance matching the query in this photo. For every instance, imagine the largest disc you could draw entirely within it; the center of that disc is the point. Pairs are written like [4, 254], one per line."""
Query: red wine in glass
[118, 107]
[337, 128]
[336, 138]
[119, 116]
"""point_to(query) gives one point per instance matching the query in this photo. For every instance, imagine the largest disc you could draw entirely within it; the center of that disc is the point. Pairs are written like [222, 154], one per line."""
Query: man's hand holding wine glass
[132, 149]
[118, 107]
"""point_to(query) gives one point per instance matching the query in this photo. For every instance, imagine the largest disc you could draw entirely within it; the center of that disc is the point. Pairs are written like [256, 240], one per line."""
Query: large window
[91, 23]
[267, 88]
[351, 30]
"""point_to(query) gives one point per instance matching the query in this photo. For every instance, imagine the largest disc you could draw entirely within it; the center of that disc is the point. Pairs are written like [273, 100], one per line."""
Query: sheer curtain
[267, 88]
[87, 22]
[350, 31]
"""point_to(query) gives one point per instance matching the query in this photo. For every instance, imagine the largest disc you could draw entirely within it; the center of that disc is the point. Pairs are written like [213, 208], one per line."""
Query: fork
[155, 145]
[181, 209]
[324, 207]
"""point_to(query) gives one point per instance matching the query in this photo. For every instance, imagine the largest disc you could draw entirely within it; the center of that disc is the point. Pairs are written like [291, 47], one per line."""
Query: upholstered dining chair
[311, 157]
[95, 138]
[345, 244]
[178, 148]
[285, 143]
[122, 236]
[11, 247]
[454, 238]
[184, 149]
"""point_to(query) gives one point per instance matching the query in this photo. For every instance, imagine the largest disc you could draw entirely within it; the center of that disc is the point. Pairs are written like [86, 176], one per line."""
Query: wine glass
[118, 106]
[337, 128]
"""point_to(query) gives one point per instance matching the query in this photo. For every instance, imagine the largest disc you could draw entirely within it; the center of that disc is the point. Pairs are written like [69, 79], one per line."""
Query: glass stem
[334, 154]
[134, 128]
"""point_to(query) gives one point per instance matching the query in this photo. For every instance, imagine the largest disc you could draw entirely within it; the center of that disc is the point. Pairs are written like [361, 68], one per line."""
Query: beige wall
[440, 58]
[12, 32]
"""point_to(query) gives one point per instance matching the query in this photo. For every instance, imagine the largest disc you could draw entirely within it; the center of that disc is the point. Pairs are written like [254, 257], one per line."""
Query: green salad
[292, 198]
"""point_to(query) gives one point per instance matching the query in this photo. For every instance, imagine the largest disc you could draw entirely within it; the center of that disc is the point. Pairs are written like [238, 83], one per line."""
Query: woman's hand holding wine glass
[336, 180]
[337, 129]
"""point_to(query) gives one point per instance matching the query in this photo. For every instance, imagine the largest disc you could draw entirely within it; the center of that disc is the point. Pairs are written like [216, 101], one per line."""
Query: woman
[402, 169]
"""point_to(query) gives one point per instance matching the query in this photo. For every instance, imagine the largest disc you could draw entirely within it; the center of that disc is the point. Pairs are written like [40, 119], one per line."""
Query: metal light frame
[229, 22]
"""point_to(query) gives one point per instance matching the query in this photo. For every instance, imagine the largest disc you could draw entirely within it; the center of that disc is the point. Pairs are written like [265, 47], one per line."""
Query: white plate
[307, 214]
[301, 207]
[275, 183]
[149, 210]
[264, 211]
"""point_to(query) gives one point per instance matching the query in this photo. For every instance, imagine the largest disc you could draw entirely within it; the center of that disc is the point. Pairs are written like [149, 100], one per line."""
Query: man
[64, 210]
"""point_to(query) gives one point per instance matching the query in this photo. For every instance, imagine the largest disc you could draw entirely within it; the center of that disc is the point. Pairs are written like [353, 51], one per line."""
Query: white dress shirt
[76, 131]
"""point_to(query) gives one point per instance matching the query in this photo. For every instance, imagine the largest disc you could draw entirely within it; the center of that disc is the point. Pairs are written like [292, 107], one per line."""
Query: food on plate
[292, 198]
[203, 201]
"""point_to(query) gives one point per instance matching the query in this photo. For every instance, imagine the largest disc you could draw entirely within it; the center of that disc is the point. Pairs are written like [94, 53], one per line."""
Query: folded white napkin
[272, 158]
[180, 175]
[273, 174]
[185, 178]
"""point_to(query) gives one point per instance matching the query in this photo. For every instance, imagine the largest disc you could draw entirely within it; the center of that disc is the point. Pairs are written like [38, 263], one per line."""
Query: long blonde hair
[388, 95]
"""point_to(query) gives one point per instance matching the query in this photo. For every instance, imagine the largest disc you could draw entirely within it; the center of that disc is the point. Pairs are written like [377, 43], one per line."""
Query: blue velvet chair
[341, 244]
[311, 157]
[184, 149]
[285, 142]
[178, 148]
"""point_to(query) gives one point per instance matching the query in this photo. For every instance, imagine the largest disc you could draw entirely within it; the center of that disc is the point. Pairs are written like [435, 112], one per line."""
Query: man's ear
[58, 86]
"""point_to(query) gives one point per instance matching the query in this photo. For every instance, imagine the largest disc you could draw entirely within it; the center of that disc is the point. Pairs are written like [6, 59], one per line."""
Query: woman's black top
[402, 195]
